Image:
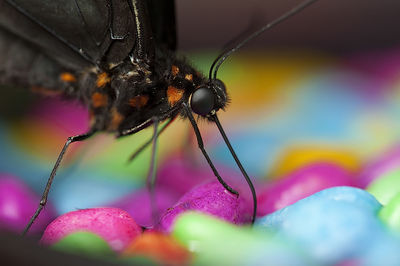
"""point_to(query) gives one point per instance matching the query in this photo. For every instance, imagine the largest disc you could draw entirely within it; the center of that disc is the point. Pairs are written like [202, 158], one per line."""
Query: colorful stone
[139, 206]
[300, 184]
[162, 248]
[210, 198]
[385, 187]
[214, 241]
[17, 205]
[84, 243]
[114, 225]
[390, 213]
[333, 225]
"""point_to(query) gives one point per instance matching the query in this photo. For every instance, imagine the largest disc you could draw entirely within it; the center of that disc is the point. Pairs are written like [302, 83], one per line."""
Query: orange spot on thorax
[189, 77]
[102, 79]
[174, 94]
[99, 100]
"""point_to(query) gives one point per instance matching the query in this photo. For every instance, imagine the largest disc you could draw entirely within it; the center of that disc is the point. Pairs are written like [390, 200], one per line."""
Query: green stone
[194, 227]
[390, 214]
[384, 188]
[214, 241]
[84, 243]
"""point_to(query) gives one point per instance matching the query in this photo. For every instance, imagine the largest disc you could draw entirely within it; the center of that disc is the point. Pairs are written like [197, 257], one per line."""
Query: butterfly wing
[76, 33]
[163, 22]
[40, 39]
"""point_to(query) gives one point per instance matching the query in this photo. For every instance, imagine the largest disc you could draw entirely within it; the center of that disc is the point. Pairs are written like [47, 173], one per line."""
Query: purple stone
[138, 204]
[210, 198]
[178, 174]
[18, 203]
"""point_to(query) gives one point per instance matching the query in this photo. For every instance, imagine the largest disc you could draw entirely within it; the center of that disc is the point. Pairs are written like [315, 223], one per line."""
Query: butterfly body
[118, 58]
[127, 97]
[125, 70]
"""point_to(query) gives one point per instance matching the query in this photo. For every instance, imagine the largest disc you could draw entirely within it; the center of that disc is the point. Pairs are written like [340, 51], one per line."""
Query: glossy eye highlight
[202, 101]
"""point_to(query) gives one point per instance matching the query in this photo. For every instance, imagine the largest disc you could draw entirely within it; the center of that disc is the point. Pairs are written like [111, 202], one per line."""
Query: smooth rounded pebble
[385, 187]
[138, 204]
[211, 198]
[298, 157]
[216, 242]
[84, 243]
[114, 225]
[334, 225]
[159, 247]
[174, 172]
[300, 184]
[17, 205]
[384, 250]
[390, 213]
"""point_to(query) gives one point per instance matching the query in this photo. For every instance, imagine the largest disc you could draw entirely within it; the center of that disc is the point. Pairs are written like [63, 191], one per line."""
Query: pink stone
[178, 174]
[114, 225]
[210, 198]
[301, 184]
[17, 205]
[139, 206]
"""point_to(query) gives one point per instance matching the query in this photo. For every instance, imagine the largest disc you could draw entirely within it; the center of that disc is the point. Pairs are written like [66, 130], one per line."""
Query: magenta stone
[384, 164]
[300, 184]
[210, 198]
[178, 174]
[17, 205]
[139, 206]
[114, 225]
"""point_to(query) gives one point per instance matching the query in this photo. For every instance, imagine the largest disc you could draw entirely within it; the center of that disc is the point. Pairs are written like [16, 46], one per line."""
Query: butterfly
[118, 58]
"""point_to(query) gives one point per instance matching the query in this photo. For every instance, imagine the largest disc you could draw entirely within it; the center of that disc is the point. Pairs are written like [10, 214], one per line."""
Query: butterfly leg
[239, 164]
[147, 143]
[201, 146]
[46, 191]
[151, 176]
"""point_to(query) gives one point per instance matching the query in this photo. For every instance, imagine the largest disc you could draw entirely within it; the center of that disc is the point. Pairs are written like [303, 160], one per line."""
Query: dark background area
[333, 25]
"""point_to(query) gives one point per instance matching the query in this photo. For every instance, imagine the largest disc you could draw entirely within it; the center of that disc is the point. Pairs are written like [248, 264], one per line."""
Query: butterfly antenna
[224, 55]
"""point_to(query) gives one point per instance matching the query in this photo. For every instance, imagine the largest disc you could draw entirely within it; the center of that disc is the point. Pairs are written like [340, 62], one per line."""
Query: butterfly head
[209, 98]
[186, 85]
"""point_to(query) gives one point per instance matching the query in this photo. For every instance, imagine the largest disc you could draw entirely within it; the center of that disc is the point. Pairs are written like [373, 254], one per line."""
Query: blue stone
[333, 225]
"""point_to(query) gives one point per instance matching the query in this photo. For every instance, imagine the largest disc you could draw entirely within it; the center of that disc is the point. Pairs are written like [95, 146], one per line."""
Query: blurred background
[334, 26]
[324, 84]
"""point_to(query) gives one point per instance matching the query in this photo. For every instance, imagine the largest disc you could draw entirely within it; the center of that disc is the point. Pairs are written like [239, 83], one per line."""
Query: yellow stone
[297, 157]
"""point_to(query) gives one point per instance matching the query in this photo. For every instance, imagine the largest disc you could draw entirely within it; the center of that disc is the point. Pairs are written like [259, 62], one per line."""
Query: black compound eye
[202, 101]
